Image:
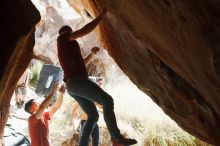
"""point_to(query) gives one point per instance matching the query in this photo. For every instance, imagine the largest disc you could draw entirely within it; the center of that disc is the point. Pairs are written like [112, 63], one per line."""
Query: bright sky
[61, 6]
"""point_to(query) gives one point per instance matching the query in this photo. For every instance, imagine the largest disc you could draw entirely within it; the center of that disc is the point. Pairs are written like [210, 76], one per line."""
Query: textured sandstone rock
[169, 49]
[17, 41]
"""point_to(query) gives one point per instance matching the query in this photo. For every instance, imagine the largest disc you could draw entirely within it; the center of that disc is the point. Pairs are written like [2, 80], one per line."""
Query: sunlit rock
[169, 49]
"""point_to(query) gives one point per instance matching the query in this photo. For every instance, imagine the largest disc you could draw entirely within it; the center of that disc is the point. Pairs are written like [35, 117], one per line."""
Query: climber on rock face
[84, 91]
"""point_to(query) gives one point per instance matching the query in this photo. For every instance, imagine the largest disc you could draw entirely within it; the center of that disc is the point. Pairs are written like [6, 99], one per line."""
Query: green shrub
[36, 68]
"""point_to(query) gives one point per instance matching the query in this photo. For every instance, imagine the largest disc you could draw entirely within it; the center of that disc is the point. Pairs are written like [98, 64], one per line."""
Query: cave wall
[170, 50]
[18, 20]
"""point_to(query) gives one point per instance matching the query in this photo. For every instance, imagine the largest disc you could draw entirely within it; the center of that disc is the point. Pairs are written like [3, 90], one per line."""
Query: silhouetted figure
[84, 91]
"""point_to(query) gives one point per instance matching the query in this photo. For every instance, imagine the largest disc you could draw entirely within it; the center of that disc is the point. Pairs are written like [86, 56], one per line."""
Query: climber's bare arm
[88, 27]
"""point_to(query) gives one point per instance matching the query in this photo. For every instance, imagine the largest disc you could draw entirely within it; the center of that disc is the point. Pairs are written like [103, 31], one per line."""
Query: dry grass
[137, 115]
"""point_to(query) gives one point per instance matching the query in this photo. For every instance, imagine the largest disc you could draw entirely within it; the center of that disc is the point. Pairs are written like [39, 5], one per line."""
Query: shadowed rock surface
[17, 41]
[169, 49]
